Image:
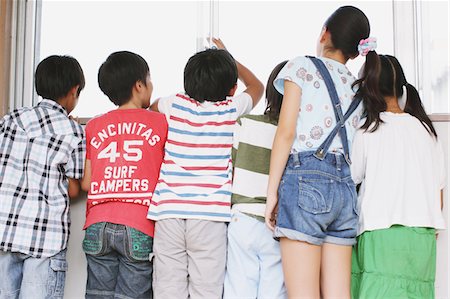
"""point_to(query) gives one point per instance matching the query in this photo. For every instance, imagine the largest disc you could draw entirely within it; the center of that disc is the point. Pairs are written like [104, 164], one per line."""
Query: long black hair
[348, 25]
[391, 82]
[273, 97]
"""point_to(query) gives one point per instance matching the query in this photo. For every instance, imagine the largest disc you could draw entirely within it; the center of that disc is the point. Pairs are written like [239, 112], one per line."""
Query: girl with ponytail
[399, 160]
[311, 200]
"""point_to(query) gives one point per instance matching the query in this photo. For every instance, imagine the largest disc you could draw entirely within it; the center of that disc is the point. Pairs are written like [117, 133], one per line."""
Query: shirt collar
[52, 105]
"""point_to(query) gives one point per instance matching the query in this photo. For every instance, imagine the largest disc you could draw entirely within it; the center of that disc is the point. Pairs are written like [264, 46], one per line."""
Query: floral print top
[316, 116]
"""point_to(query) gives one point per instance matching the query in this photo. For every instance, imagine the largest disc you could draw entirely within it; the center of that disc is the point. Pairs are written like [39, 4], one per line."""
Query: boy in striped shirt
[192, 199]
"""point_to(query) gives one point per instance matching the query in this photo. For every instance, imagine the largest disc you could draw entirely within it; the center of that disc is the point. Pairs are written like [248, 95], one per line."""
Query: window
[163, 33]
[433, 60]
[289, 29]
[258, 33]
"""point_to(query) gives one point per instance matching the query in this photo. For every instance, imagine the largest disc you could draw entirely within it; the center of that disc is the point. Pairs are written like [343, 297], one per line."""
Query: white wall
[76, 277]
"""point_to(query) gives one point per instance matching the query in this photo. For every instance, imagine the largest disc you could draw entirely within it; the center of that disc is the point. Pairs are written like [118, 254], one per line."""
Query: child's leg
[11, 274]
[207, 252]
[242, 273]
[301, 267]
[44, 277]
[170, 262]
[271, 279]
[134, 278]
[336, 271]
[102, 260]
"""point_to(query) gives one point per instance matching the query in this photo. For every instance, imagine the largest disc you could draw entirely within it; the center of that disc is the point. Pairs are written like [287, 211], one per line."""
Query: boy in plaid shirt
[41, 161]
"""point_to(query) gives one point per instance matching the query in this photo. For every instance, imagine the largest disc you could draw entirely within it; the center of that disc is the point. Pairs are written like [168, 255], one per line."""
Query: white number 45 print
[130, 149]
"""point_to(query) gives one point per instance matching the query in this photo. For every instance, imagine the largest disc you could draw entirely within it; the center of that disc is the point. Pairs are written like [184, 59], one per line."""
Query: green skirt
[394, 263]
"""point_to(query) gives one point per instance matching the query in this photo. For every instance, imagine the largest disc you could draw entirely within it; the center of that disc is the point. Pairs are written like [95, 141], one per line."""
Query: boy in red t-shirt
[124, 151]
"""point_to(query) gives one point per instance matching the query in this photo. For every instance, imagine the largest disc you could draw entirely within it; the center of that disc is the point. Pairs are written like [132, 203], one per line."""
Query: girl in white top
[399, 160]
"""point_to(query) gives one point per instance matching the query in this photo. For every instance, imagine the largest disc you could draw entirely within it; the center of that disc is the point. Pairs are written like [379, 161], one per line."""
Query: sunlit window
[164, 33]
[262, 34]
[434, 66]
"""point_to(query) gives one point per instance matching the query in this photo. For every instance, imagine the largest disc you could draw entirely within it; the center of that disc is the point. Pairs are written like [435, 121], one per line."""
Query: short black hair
[210, 75]
[119, 73]
[274, 99]
[56, 75]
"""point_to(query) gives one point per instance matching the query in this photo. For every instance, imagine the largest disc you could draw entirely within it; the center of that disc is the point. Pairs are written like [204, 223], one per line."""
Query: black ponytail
[368, 90]
[415, 108]
[391, 80]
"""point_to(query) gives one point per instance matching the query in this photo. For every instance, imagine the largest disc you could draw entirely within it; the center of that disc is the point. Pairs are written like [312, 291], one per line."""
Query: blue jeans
[24, 276]
[119, 262]
[317, 200]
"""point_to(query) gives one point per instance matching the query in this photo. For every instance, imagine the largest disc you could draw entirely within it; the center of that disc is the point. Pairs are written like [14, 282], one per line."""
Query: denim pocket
[57, 275]
[315, 196]
[140, 245]
[93, 242]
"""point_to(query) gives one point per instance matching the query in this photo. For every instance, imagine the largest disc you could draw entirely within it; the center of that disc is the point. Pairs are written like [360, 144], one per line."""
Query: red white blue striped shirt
[196, 174]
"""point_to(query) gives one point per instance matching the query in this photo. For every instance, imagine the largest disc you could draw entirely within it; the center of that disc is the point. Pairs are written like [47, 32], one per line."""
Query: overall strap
[340, 117]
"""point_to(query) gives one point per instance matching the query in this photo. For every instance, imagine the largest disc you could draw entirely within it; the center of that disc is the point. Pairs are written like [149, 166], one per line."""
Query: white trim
[120, 195]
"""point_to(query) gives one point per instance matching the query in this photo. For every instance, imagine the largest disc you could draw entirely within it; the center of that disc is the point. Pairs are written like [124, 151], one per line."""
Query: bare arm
[254, 87]
[282, 144]
[74, 188]
[154, 105]
[86, 180]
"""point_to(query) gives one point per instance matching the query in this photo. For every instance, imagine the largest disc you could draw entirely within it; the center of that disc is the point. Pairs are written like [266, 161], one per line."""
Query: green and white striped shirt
[252, 146]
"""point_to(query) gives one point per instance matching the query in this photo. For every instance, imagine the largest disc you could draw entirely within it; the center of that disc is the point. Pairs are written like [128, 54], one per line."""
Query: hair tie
[367, 45]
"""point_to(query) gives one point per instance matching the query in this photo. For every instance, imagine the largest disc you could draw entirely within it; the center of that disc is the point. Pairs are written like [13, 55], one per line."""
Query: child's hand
[219, 43]
[271, 211]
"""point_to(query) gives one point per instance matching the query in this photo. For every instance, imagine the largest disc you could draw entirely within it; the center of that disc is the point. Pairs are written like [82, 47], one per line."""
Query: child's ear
[324, 34]
[232, 91]
[73, 92]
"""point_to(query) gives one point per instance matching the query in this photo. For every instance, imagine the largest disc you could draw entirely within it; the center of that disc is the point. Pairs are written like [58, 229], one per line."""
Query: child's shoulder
[262, 118]
[299, 61]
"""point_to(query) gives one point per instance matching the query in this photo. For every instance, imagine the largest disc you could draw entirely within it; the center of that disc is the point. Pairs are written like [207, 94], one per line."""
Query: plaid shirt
[40, 148]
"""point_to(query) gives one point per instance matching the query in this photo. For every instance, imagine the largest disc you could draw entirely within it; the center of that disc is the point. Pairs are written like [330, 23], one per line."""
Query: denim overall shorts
[317, 200]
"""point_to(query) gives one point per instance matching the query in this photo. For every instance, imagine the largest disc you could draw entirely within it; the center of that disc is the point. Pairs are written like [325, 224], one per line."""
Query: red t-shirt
[126, 148]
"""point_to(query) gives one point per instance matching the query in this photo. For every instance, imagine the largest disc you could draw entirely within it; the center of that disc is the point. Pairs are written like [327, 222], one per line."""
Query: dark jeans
[119, 262]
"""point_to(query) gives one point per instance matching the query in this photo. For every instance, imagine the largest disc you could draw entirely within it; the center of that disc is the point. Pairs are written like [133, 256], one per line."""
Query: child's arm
[284, 138]
[154, 105]
[254, 87]
[86, 180]
[74, 188]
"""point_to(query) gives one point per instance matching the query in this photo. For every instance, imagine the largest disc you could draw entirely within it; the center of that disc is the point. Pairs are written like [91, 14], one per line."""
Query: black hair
[210, 75]
[273, 97]
[392, 80]
[348, 25]
[119, 73]
[56, 75]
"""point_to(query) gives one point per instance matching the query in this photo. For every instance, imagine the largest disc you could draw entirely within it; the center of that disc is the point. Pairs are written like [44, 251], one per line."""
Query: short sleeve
[295, 71]
[75, 165]
[164, 105]
[243, 103]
